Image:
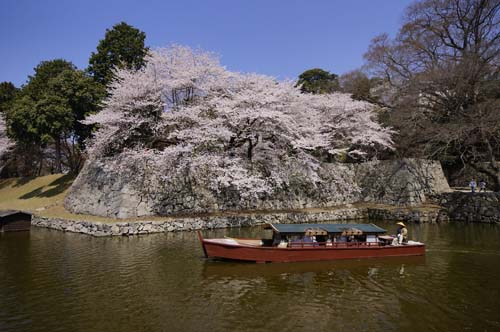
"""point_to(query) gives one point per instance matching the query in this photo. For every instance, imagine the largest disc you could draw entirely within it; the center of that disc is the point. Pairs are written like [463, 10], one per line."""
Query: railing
[302, 244]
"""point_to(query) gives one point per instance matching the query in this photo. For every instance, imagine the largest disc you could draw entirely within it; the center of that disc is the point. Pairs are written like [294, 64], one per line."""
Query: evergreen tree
[48, 110]
[318, 81]
[122, 47]
[8, 92]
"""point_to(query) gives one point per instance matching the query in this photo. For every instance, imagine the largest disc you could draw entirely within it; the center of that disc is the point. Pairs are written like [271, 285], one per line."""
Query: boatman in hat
[402, 233]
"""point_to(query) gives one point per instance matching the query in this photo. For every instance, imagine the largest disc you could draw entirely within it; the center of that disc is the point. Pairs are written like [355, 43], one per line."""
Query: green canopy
[330, 228]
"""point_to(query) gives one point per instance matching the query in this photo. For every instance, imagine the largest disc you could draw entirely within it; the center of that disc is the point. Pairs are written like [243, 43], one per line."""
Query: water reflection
[220, 268]
[52, 281]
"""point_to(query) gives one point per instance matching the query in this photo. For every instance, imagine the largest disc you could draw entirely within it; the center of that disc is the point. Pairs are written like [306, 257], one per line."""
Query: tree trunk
[250, 149]
[497, 183]
[496, 180]
[492, 167]
[58, 155]
[72, 155]
[40, 165]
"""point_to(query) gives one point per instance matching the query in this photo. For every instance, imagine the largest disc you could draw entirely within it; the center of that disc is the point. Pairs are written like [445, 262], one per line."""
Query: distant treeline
[42, 118]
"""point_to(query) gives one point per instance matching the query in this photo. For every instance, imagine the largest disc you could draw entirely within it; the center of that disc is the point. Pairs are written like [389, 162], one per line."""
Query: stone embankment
[128, 228]
[428, 214]
[412, 190]
[120, 188]
[339, 214]
[478, 207]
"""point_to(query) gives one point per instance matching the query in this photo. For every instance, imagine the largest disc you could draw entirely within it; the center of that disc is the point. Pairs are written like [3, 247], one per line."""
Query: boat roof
[330, 228]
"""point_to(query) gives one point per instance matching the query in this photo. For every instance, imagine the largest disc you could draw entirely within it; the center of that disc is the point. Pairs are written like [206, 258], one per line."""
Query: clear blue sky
[278, 38]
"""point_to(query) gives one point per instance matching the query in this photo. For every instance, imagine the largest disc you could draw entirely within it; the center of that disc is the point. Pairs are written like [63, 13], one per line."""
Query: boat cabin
[332, 235]
[11, 220]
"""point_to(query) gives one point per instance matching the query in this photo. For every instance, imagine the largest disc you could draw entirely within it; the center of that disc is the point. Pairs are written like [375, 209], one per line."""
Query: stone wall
[407, 182]
[340, 215]
[465, 206]
[128, 228]
[409, 215]
[120, 188]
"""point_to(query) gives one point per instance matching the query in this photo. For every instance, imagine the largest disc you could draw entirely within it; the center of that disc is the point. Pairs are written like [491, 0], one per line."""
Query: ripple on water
[59, 282]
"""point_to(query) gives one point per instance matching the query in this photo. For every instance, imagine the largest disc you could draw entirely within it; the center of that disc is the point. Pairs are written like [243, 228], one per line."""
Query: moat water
[54, 281]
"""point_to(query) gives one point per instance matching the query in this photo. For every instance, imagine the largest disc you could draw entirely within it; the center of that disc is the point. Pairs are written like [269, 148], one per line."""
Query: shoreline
[43, 197]
[416, 214]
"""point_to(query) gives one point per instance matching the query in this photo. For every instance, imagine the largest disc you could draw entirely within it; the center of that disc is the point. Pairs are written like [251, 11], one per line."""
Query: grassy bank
[33, 194]
[42, 195]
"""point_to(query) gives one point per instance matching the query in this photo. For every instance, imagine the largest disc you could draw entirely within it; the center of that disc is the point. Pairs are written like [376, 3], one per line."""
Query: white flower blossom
[241, 131]
[5, 142]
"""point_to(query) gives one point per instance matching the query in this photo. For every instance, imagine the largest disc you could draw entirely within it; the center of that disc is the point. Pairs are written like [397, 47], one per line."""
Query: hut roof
[6, 213]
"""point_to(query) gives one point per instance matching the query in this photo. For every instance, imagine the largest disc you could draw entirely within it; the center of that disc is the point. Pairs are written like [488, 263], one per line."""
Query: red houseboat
[312, 242]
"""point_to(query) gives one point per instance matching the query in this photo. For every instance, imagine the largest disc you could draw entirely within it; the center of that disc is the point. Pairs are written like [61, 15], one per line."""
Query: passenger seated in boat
[310, 240]
[295, 241]
[341, 238]
[277, 239]
[283, 244]
[303, 241]
[321, 239]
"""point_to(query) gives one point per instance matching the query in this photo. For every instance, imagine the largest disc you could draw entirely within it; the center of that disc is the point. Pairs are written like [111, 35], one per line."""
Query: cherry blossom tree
[247, 132]
[5, 142]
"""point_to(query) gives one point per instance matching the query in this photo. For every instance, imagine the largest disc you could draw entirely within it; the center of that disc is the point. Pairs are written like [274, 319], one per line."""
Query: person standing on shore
[473, 185]
[482, 185]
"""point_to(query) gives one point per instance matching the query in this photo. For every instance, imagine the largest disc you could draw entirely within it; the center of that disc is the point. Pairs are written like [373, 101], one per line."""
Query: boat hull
[214, 249]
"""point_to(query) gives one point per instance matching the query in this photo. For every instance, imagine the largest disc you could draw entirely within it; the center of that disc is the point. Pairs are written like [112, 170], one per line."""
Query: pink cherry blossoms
[184, 112]
[5, 142]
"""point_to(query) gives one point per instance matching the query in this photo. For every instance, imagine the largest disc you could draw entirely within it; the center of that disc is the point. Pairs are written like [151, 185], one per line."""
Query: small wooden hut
[12, 220]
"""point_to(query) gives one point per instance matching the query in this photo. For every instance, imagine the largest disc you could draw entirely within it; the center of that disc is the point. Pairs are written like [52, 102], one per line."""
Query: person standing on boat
[402, 233]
